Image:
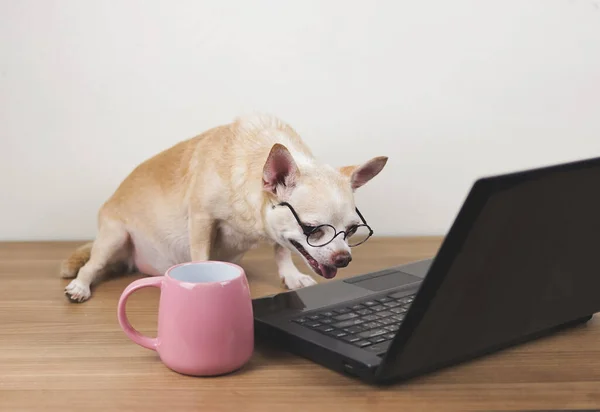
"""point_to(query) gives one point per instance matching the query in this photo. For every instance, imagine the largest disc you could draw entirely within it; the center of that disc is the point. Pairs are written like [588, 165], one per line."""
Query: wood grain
[55, 355]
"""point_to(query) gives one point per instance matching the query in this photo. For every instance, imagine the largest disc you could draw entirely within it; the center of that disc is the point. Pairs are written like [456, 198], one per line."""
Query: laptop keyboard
[369, 324]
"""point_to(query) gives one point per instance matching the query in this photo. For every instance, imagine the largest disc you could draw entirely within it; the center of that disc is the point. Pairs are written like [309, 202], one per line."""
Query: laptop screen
[530, 261]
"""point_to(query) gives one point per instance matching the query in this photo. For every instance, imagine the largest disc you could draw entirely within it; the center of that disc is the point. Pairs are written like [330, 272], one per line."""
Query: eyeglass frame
[309, 230]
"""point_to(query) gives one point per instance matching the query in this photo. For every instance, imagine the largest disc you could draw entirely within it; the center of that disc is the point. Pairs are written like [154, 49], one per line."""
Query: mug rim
[240, 271]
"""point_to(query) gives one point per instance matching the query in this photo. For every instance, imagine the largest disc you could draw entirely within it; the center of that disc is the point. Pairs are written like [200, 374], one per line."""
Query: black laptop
[521, 260]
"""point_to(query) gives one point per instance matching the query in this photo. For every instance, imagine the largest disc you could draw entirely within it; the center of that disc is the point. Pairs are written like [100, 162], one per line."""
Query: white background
[449, 90]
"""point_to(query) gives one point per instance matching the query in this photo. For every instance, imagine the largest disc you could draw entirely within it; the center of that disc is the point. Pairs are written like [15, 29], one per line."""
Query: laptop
[520, 261]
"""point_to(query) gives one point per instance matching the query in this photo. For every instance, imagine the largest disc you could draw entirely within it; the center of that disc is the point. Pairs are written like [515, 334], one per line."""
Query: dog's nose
[342, 260]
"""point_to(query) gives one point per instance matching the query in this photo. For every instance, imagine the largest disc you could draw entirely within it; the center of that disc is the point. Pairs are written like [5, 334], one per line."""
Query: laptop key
[342, 311]
[347, 323]
[351, 338]
[392, 304]
[370, 318]
[327, 314]
[399, 295]
[357, 307]
[398, 310]
[377, 339]
[383, 300]
[355, 329]
[387, 321]
[346, 316]
[325, 328]
[398, 318]
[300, 320]
[378, 308]
[313, 324]
[372, 333]
[384, 314]
[389, 336]
[371, 325]
[338, 334]
[381, 347]
[369, 303]
[392, 328]
[364, 312]
[314, 317]
[326, 321]
[362, 343]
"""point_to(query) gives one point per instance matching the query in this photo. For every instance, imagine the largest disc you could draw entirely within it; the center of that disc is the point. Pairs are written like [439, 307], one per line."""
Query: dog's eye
[309, 229]
[316, 234]
[320, 235]
[316, 237]
[351, 231]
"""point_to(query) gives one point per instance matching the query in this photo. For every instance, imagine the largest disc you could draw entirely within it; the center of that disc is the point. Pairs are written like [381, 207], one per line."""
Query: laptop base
[369, 373]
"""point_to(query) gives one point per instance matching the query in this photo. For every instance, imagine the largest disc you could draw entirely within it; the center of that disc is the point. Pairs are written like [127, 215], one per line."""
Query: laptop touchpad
[387, 281]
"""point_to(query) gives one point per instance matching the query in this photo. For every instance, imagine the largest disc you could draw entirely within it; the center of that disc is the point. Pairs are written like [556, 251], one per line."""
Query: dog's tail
[70, 266]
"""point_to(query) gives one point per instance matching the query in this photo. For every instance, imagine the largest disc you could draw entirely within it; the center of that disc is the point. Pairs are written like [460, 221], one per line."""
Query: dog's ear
[359, 175]
[280, 172]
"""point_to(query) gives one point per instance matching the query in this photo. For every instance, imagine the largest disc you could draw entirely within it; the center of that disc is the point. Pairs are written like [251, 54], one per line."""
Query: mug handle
[134, 335]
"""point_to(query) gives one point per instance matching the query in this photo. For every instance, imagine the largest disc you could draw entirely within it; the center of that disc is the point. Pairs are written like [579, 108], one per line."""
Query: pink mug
[205, 318]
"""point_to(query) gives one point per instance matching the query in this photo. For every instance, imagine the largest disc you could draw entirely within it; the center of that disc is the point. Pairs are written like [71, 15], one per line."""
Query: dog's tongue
[328, 272]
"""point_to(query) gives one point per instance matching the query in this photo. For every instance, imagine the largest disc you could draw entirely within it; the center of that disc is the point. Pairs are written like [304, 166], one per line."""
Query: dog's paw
[297, 280]
[77, 291]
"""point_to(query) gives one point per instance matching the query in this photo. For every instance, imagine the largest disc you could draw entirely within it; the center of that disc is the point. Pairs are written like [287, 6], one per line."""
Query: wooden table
[55, 355]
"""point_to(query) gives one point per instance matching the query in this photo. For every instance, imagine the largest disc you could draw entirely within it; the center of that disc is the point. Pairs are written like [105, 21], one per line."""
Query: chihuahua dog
[219, 194]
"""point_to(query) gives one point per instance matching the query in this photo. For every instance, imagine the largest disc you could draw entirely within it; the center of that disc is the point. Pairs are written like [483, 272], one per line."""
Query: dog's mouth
[328, 272]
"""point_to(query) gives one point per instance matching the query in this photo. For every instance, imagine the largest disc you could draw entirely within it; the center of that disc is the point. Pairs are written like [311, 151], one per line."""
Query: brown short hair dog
[217, 195]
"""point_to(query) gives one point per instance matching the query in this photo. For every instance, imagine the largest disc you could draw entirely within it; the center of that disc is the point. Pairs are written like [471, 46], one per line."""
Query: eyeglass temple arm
[302, 225]
[364, 221]
[361, 216]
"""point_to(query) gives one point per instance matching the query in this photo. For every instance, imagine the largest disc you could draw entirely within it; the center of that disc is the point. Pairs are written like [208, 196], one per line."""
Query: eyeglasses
[318, 236]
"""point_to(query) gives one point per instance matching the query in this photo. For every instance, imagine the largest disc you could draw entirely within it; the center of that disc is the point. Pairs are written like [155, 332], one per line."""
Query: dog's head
[313, 211]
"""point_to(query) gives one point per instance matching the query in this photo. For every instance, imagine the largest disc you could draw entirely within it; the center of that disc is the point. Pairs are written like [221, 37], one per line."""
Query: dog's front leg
[201, 233]
[289, 274]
